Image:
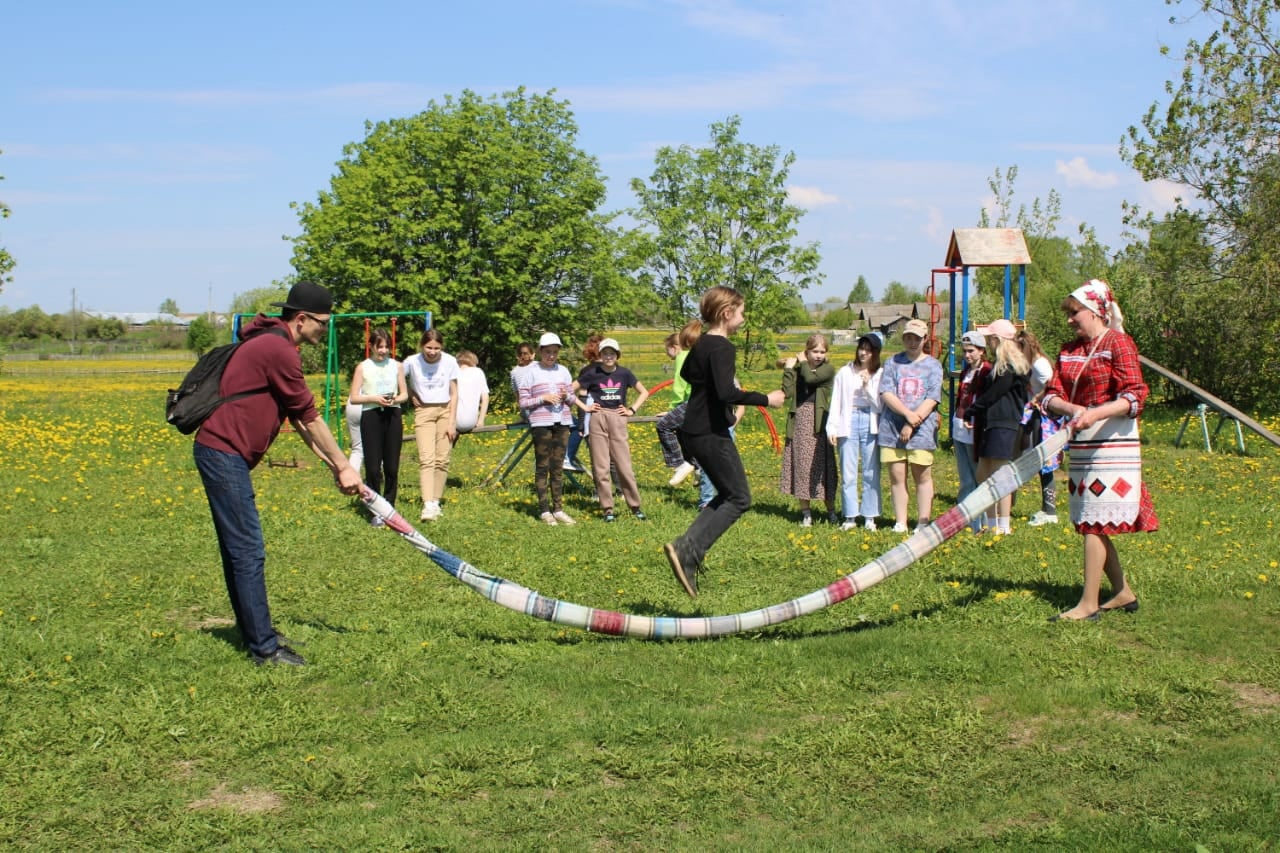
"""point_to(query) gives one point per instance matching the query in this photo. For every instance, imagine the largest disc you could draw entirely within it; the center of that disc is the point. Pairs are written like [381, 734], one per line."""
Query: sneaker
[688, 576]
[283, 655]
[870, 524]
[832, 519]
[609, 516]
[681, 474]
[806, 520]
[377, 521]
[548, 518]
[849, 524]
[640, 516]
[431, 510]
[570, 465]
[1042, 518]
[563, 517]
[899, 528]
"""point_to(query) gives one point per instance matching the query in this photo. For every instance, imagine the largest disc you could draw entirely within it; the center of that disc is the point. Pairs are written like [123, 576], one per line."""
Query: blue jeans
[968, 470]
[229, 488]
[859, 466]
[718, 457]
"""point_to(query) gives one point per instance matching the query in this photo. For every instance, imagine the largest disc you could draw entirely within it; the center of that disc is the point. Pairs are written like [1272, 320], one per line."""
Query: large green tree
[1217, 254]
[718, 214]
[6, 260]
[482, 211]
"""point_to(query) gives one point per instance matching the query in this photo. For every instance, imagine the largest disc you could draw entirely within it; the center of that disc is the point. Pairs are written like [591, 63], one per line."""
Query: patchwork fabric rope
[1006, 480]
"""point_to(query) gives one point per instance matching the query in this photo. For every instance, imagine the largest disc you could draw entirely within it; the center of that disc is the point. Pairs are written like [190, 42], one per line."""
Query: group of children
[449, 395]
[841, 423]
[871, 413]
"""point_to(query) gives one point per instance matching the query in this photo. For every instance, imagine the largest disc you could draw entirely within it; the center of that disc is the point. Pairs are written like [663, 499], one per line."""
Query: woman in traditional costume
[1098, 384]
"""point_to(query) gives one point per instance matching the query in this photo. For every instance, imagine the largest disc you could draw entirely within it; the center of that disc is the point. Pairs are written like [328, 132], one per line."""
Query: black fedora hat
[308, 297]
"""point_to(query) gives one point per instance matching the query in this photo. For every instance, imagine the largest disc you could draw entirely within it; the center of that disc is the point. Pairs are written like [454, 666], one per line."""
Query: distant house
[888, 320]
[135, 320]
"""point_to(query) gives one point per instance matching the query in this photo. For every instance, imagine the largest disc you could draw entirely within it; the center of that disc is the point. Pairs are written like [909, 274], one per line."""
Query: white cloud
[810, 197]
[1161, 196]
[1078, 173]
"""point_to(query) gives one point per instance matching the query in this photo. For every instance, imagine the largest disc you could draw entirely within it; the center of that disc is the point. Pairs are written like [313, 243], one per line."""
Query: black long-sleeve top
[1000, 401]
[709, 369]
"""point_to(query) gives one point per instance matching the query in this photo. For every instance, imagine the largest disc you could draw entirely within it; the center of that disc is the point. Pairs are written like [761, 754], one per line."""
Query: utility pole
[73, 321]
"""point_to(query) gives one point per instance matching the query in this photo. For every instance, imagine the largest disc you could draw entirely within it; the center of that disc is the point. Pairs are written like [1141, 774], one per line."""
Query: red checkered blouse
[1112, 373]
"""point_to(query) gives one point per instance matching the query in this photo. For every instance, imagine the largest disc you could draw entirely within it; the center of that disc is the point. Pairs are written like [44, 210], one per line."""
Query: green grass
[936, 710]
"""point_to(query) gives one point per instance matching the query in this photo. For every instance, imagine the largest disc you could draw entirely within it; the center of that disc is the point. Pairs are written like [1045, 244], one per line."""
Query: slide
[1205, 396]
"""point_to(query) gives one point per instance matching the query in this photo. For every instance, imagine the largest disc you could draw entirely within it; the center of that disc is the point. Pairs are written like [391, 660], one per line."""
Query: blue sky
[152, 150]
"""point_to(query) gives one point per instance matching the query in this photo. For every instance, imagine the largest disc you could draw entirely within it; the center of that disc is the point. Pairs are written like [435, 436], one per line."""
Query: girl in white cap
[606, 383]
[976, 368]
[545, 388]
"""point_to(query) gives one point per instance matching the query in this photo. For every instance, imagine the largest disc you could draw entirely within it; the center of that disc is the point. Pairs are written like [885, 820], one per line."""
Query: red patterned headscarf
[1095, 294]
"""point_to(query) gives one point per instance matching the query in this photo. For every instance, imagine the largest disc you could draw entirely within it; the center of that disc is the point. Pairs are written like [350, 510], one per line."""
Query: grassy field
[938, 710]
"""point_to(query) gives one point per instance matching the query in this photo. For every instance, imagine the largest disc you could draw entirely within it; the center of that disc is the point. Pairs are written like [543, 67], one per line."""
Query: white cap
[610, 343]
[549, 339]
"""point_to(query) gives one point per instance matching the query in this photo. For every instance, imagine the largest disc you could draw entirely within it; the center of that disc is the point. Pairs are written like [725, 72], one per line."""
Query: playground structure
[976, 247]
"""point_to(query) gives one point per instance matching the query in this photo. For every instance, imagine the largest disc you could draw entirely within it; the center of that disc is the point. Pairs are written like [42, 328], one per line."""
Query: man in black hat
[237, 435]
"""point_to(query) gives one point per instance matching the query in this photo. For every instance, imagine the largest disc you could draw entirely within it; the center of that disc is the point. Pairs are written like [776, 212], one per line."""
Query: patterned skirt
[1104, 469]
[808, 461]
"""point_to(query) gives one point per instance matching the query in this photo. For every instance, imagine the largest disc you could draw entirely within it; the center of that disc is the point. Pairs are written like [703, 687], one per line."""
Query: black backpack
[191, 403]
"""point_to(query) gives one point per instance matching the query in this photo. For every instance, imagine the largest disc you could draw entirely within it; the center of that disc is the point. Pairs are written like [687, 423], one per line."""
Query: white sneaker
[899, 528]
[563, 517]
[870, 524]
[1042, 517]
[431, 511]
[681, 474]
[548, 518]
[849, 524]
[806, 521]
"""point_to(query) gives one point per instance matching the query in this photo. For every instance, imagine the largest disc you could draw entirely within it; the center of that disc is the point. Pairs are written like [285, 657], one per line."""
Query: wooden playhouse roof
[987, 247]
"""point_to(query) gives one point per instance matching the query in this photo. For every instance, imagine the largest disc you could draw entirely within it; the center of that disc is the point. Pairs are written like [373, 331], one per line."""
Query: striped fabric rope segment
[1006, 480]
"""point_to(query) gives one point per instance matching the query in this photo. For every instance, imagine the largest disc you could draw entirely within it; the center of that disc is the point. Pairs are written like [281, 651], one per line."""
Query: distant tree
[32, 324]
[861, 291]
[897, 293]
[484, 212]
[169, 307]
[259, 299]
[719, 215]
[200, 335]
[838, 318]
[6, 260]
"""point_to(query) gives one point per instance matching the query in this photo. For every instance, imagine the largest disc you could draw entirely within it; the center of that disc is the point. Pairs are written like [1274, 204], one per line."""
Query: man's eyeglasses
[323, 322]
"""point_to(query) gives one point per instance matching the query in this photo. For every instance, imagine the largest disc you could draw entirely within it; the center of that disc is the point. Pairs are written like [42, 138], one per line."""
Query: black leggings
[382, 437]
